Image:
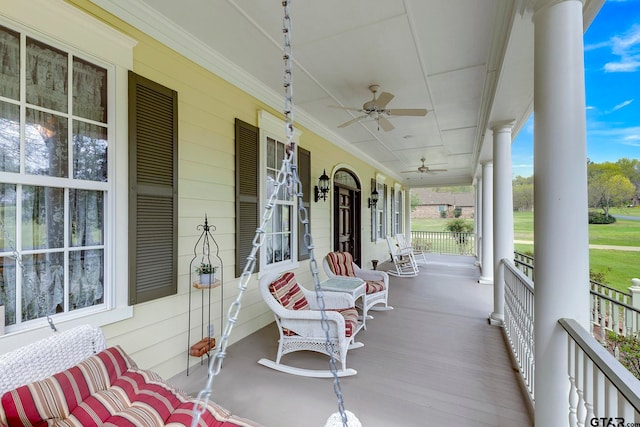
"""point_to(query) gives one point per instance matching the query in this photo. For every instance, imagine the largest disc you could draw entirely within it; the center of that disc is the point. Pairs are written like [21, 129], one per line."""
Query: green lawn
[618, 266]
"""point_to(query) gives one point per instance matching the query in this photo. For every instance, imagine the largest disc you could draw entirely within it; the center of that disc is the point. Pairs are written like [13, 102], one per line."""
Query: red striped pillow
[287, 292]
[341, 263]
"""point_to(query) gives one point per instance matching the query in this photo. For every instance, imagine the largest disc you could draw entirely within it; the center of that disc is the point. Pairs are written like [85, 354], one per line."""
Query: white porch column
[487, 224]
[407, 215]
[561, 237]
[477, 216]
[502, 213]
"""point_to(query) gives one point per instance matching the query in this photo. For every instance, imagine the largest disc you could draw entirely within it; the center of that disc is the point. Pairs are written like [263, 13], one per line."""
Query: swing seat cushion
[107, 389]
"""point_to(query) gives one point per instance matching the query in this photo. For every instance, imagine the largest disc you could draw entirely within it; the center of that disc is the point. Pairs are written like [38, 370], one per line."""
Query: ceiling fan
[376, 110]
[424, 169]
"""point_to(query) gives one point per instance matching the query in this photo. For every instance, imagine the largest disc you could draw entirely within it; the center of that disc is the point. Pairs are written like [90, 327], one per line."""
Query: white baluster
[573, 395]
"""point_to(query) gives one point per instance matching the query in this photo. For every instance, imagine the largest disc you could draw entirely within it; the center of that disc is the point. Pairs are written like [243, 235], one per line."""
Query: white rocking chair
[418, 254]
[298, 318]
[341, 265]
[403, 260]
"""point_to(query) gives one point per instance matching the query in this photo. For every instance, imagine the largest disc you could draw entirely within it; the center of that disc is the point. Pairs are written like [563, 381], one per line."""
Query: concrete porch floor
[433, 360]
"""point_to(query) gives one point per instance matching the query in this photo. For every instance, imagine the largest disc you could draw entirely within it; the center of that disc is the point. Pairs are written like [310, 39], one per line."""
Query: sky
[612, 80]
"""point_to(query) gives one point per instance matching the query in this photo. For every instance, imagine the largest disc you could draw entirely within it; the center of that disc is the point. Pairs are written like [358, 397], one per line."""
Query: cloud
[627, 47]
[621, 105]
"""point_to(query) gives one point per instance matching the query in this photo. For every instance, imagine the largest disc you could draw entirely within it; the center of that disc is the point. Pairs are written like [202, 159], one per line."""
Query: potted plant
[207, 273]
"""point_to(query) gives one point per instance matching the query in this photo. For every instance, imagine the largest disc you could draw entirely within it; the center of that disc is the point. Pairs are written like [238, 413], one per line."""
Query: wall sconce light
[321, 190]
[373, 200]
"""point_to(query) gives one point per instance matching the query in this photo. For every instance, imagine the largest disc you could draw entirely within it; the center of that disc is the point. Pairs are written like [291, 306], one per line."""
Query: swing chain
[287, 172]
[16, 255]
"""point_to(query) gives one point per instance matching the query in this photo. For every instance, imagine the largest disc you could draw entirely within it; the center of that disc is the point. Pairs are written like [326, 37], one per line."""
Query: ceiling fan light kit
[376, 110]
[424, 168]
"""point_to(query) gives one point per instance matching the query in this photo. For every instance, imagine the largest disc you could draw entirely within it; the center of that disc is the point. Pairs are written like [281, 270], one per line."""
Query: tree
[415, 201]
[522, 197]
[607, 191]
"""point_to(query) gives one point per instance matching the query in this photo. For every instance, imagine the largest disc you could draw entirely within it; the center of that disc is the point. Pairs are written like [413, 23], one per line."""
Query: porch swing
[288, 177]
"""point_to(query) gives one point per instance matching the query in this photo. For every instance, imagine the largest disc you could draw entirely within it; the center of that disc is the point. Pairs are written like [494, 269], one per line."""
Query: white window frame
[381, 209]
[96, 42]
[272, 127]
[398, 210]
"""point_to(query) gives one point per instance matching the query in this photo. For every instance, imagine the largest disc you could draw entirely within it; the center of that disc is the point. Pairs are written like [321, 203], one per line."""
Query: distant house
[434, 204]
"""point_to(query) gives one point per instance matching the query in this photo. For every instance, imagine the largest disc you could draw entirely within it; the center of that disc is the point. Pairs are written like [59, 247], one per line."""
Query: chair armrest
[332, 300]
[372, 275]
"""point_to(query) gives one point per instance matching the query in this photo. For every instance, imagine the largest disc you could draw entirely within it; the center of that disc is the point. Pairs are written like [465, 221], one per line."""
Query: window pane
[42, 217]
[271, 153]
[46, 76]
[8, 289]
[279, 155]
[86, 275]
[7, 217]
[89, 152]
[286, 246]
[46, 148]
[42, 285]
[268, 244]
[89, 91]
[86, 214]
[10, 64]
[9, 137]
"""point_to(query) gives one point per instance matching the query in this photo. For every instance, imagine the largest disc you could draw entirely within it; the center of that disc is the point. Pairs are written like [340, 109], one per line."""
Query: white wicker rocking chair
[341, 265]
[418, 254]
[301, 328]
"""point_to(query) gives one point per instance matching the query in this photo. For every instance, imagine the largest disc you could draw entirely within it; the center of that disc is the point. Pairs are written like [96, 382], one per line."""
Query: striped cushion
[107, 390]
[374, 286]
[287, 292]
[350, 320]
[341, 263]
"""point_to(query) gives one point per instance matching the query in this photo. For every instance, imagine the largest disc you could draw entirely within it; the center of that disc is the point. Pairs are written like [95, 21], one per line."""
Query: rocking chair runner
[299, 323]
[340, 264]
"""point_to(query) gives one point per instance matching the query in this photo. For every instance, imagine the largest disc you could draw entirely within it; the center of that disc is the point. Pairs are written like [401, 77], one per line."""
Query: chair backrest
[287, 292]
[341, 263]
[393, 247]
[402, 241]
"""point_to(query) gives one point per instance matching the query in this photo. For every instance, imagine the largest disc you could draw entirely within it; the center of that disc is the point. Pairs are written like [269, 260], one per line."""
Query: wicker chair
[340, 264]
[299, 323]
[49, 356]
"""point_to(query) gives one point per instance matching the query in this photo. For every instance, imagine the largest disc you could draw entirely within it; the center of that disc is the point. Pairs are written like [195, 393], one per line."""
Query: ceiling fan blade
[339, 107]
[385, 124]
[407, 112]
[345, 124]
[383, 100]
[437, 170]
[414, 171]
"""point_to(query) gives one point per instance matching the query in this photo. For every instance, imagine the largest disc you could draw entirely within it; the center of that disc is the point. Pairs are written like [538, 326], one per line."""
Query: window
[397, 197]
[381, 209]
[259, 155]
[58, 167]
[53, 147]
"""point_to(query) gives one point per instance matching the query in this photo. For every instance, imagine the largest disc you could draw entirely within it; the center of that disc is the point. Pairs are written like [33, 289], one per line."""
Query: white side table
[353, 286]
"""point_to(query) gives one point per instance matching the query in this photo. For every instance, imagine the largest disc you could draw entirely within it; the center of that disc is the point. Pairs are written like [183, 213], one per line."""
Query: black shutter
[247, 191]
[153, 190]
[304, 172]
[374, 215]
[385, 211]
[393, 211]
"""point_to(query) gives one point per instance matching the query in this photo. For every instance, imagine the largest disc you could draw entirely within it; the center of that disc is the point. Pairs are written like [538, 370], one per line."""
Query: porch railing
[601, 390]
[611, 309]
[444, 242]
[600, 387]
[519, 321]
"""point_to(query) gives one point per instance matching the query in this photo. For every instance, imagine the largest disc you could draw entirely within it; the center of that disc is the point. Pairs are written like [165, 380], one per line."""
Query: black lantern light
[373, 200]
[322, 189]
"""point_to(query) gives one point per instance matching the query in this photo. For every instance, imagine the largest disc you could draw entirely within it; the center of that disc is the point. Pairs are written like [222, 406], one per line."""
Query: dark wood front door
[347, 221]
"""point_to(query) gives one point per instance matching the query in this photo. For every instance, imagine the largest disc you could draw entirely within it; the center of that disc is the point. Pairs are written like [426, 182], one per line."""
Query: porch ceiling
[469, 63]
